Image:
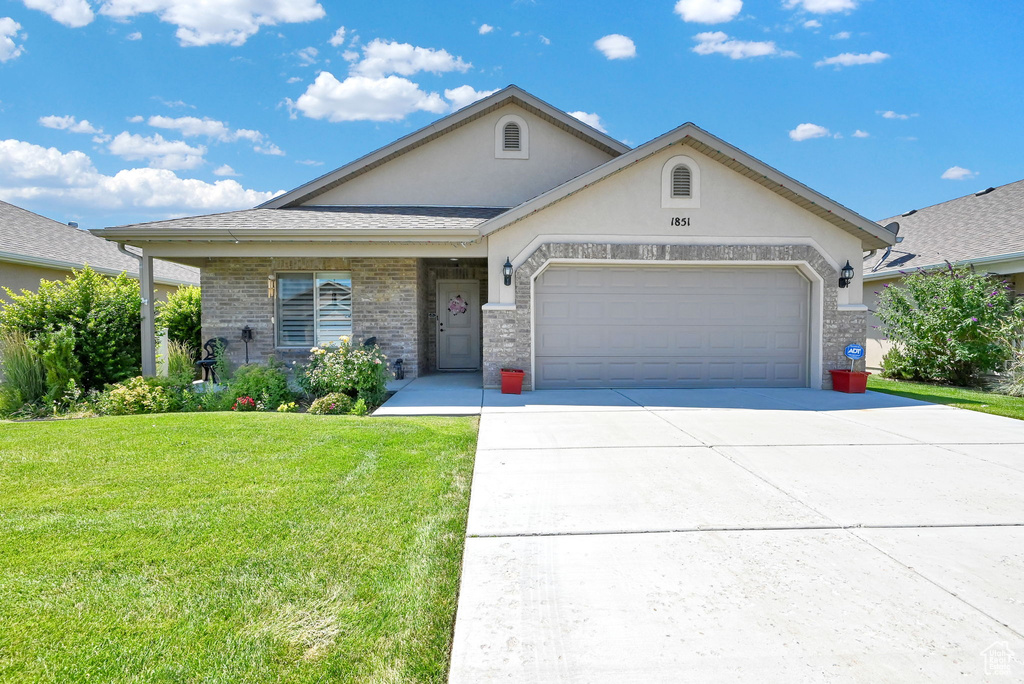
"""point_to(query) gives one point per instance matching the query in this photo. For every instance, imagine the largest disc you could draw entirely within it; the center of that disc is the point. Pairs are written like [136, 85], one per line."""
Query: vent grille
[511, 137]
[681, 181]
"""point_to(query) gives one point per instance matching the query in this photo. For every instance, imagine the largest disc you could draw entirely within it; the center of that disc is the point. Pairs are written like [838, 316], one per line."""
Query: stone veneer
[507, 339]
[386, 296]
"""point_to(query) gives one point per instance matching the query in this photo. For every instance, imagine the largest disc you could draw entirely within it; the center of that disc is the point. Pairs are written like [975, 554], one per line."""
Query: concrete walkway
[741, 536]
[439, 394]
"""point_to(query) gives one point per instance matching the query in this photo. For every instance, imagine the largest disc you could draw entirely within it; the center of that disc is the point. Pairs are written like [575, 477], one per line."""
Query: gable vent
[511, 137]
[681, 181]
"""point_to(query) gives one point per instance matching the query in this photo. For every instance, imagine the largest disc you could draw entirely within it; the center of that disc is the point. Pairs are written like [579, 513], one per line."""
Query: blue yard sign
[854, 351]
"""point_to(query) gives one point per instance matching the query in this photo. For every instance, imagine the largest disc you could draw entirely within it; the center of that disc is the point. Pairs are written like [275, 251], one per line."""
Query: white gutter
[68, 265]
[895, 273]
[286, 234]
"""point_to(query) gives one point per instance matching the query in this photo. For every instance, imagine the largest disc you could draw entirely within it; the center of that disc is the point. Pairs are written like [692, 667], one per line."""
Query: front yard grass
[961, 397]
[231, 547]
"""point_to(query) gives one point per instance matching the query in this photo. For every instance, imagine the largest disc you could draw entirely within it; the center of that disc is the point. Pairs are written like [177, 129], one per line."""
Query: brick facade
[445, 269]
[386, 297]
[507, 335]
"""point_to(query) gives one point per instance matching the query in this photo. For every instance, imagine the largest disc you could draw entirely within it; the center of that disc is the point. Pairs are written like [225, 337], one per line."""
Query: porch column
[148, 315]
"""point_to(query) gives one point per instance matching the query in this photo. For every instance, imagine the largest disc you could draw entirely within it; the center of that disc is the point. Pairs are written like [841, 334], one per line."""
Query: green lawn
[231, 547]
[971, 399]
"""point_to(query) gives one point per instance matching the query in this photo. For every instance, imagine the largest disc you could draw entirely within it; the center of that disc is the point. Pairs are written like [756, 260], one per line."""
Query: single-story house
[511, 234]
[984, 229]
[35, 248]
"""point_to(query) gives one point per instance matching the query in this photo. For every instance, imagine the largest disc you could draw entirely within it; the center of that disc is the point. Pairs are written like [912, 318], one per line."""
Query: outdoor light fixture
[247, 337]
[506, 271]
[846, 275]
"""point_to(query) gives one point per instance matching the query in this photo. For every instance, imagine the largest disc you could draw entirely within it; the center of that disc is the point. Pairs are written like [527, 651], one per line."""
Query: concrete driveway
[741, 536]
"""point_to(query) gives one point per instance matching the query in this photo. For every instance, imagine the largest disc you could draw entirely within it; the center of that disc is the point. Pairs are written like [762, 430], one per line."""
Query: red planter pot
[511, 381]
[851, 382]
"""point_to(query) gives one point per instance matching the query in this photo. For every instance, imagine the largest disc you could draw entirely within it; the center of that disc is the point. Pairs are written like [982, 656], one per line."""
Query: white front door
[458, 324]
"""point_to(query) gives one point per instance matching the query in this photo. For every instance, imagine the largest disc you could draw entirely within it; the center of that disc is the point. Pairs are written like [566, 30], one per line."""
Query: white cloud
[160, 153]
[485, 29]
[592, 120]
[708, 11]
[8, 34]
[807, 131]
[851, 59]
[822, 6]
[359, 98]
[73, 13]
[307, 56]
[68, 123]
[309, 162]
[136, 35]
[381, 58]
[192, 126]
[544, 39]
[713, 42]
[224, 170]
[842, 35]
[294, 79]
[889, 114]
[812, 24]
[958, 173]
[463, 96]
[268, 148]
[338, 39]
[861, 134]
[616, 46]
[25, 163]
[135, 119]
[201, 22]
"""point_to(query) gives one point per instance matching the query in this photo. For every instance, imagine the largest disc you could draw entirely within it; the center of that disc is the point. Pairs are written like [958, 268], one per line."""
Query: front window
[313, 308]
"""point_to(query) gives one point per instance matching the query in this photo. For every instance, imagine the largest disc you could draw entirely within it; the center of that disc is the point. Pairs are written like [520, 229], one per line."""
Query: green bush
[182, 315]
[24, 378]
[268, 385]
[245, 403]
[181, 369]
[945, 325]
[63, 372]
[137, 395]
[334, 404]
[102, 313]
[361, 372]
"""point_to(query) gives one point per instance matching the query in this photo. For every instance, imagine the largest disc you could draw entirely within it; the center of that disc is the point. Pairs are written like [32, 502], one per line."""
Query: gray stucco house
[510, 234]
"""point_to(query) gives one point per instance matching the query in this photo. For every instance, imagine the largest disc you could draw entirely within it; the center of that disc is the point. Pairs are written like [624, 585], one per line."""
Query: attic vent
[681, 181]
[983, 192]
[511, 137]
[912, 211]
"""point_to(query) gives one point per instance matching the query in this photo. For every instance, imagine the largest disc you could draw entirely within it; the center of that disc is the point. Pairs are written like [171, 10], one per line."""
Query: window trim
[668, 201]
[499, 138]
[278, 324]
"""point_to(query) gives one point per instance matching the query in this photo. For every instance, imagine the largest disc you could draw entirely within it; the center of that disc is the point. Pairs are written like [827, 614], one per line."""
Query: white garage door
[671, 326]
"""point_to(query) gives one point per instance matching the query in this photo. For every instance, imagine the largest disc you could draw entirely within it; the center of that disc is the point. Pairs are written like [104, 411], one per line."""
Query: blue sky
[110, 114]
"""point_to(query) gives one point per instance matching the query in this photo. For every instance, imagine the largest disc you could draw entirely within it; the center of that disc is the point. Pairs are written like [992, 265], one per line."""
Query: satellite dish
[893, 228]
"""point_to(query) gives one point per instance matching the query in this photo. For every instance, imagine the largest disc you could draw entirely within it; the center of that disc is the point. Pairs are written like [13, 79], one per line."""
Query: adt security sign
[854, 351]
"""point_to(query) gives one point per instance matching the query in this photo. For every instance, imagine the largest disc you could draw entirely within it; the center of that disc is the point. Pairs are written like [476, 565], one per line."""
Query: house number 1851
[678, 221]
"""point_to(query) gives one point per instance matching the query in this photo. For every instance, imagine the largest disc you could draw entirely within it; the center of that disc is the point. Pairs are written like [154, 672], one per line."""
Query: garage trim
[816, 303]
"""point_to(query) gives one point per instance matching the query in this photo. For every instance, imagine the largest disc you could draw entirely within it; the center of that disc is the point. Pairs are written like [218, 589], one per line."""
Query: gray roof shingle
[31, 237]
[333, 218]
[970, 227]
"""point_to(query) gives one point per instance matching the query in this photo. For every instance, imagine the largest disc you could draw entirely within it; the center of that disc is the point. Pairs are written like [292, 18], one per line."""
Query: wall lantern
[506, 271]
[247, 337]
[846, 275]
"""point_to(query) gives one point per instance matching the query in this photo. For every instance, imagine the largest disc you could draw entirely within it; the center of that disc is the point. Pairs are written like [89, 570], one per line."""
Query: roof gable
[512, 95]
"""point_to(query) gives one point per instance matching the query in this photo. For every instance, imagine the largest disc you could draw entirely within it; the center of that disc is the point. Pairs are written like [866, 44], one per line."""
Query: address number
[681, 222]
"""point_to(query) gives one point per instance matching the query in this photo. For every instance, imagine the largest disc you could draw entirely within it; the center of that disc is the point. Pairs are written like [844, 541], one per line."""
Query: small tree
[100, 313]
[182, 315]
[945, 325]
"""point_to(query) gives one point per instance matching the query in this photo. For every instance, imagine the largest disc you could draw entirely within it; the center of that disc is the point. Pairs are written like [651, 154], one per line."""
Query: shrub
[290, 407]
[361, 372]
[21, 369]
[946, 325]
[181, 369]
[137, 395]
[56, 350]
[268, 385]
[182, 315]
[333, 404]
[101, 312]
[244, 404]
[359, 408]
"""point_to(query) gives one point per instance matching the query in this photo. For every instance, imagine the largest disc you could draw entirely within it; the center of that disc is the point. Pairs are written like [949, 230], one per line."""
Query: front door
[458, 324]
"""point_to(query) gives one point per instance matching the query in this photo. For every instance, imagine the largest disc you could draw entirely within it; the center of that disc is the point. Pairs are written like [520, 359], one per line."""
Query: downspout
[147, 321]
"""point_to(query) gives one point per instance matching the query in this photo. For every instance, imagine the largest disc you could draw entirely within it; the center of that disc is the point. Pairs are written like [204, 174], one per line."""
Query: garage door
[664, 326]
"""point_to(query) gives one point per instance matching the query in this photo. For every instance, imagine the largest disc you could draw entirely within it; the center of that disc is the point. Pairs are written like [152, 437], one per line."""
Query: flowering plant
[358, 371]
[244, 404]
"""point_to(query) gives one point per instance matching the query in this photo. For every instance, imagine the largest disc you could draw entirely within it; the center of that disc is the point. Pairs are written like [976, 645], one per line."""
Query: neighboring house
[34, 248]
[681, 263]
[984, 230]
